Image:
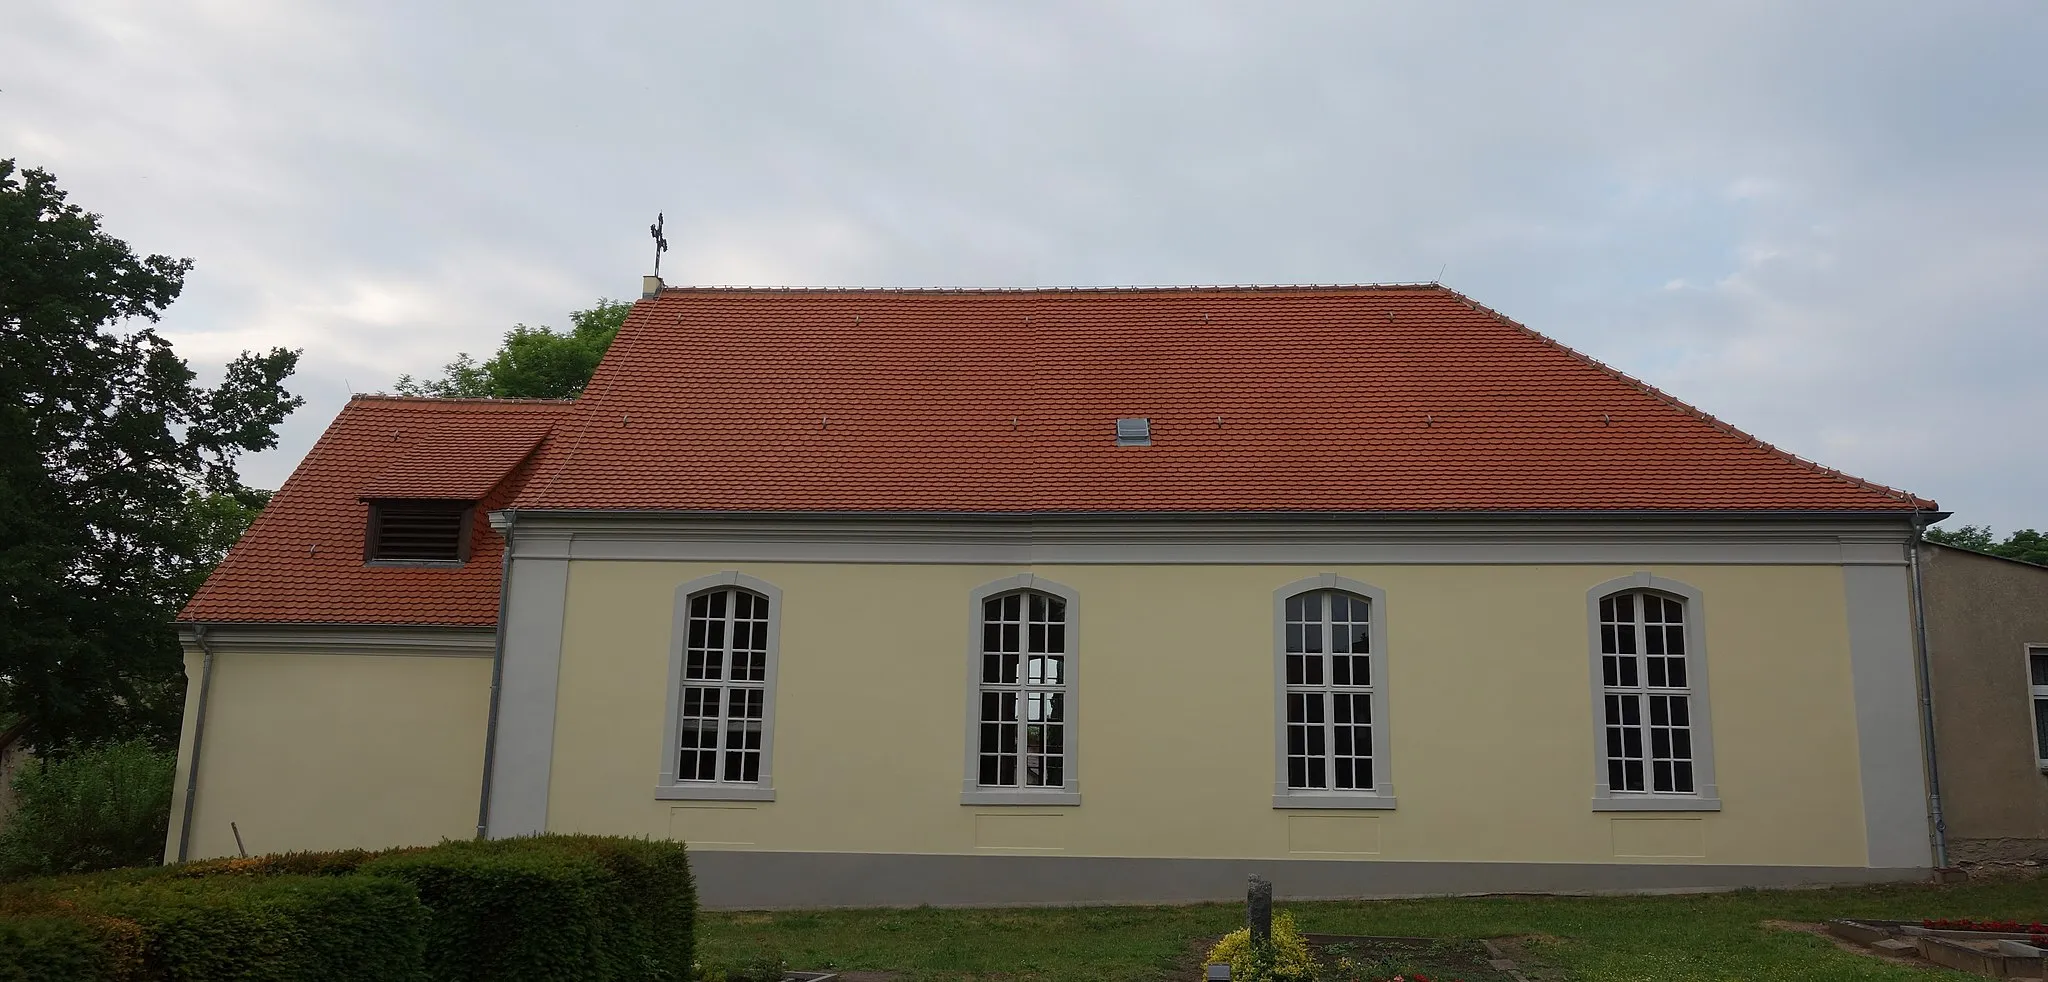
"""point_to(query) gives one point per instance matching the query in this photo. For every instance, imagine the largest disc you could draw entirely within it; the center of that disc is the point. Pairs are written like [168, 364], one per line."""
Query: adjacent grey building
[1987, 647]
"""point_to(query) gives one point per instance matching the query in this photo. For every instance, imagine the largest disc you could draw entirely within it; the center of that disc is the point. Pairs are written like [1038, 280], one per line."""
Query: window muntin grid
[2037, 678]
[1023, 692]
[721, 715]
[1328, 684]
[1646, 696]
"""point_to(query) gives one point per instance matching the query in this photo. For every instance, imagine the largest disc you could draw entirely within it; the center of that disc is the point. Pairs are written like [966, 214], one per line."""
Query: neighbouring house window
[1650, 696]
[1021, 697]
[409, 531]
[722, 680]
[2037, 671]
[1332, 696]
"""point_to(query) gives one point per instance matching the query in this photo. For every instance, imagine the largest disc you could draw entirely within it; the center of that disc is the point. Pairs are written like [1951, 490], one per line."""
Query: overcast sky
[1825, 223]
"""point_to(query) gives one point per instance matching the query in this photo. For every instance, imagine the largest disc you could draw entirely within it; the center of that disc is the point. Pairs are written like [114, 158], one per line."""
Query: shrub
[338, 863]
[1285, 957]
[581, 908]
[553, 908]
[95, 808]
[68, 945]
[279, 929]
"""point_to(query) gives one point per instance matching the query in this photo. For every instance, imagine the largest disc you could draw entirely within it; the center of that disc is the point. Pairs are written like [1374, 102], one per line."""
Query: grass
[1586, 939]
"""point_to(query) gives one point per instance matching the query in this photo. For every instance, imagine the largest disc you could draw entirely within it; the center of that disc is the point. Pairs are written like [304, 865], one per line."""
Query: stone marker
[1258, 909]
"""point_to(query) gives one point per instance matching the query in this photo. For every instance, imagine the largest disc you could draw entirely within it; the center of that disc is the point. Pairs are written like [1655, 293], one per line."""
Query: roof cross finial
[660, 240]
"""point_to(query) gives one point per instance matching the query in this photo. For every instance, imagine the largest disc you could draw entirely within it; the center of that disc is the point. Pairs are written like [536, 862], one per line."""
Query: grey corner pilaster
[535, 606]
[1879, 604]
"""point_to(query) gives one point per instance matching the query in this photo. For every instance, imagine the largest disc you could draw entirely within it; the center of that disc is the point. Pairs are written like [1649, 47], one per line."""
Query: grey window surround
[1381, 797]
[667, 787]
[1707, 797]
[971, 790]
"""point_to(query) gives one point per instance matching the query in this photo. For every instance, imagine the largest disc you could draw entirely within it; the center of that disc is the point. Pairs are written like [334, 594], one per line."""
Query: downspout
[1934, 816]
[483, 807]
[198, 735]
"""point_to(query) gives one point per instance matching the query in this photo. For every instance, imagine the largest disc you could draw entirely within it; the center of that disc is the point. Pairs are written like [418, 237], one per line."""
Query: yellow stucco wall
[1489, 722]
[333, 751]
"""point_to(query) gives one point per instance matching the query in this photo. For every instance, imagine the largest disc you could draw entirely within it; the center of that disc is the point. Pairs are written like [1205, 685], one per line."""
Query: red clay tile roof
[302, 562]
[1349, 399]
[464, 462]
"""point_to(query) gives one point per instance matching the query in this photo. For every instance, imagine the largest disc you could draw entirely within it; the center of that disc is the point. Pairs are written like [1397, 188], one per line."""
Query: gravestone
[1258, 909]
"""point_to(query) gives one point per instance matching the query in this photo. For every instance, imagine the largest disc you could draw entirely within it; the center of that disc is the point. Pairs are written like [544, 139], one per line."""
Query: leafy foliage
[1284, 957]
[99, 808]
[106, 442]
[2025, 545]
[279, 929]
[565, 908]
[533, 362]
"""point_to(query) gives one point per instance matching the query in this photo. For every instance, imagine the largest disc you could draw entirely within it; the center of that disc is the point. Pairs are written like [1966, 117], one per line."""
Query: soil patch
[1821, 931]
[1370, 958]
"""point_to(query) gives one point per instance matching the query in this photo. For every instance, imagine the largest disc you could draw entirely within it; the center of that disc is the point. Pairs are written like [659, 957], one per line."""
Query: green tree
[2025, 545]
[111, 457]
[533, 362]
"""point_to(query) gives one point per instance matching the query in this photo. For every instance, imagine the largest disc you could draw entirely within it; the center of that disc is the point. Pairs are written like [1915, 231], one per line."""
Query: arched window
[721, 690]
[1021, 695]
[1332, 705]
[1649, 677]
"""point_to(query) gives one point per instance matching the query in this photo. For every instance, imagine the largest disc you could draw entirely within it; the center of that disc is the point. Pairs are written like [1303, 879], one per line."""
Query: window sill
[990, 796]
[1309, 800]
[713, 792]
[417, 563]
[1648, 804]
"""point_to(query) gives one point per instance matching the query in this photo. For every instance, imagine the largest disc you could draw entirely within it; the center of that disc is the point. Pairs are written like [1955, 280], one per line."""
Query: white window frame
[1381, 795]
[971, 790]
[667, 787]
[1705, 795]
[2036, 692]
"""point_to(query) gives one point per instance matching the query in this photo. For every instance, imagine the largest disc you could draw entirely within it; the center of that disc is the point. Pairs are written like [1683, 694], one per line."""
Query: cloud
[1820, 222]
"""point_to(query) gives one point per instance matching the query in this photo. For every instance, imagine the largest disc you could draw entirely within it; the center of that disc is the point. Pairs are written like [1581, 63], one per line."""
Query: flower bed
[1292, 956]
[2036, 932]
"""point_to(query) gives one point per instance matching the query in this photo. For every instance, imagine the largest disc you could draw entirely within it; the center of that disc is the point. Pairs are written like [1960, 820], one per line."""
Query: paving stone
[1953, 955]
[1896, 946]
[1857, 931]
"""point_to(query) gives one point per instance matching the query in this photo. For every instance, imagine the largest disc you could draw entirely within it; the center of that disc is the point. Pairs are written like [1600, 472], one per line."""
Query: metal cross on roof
[660, 241]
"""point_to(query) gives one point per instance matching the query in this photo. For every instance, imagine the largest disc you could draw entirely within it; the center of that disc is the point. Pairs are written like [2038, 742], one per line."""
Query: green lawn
[1591, 939]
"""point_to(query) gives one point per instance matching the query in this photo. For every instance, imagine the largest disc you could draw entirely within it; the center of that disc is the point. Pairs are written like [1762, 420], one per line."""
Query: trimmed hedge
[68, 945]
[551, 908]
[548, 908]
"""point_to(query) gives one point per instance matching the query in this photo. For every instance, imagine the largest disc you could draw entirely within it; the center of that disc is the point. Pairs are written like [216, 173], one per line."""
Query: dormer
[423, 506]
[418, 532]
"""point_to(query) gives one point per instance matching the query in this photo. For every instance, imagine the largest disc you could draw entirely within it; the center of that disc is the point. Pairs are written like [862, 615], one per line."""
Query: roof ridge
[1700, 414]
[1027, 290]
[457, 400]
